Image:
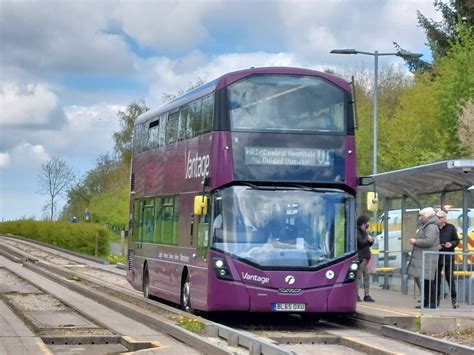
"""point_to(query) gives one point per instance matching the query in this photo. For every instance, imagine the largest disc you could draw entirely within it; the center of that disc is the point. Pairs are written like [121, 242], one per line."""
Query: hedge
[79, 237]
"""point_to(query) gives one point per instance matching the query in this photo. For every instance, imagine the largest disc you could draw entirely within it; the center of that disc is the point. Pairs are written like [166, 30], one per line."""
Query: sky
[68, 67]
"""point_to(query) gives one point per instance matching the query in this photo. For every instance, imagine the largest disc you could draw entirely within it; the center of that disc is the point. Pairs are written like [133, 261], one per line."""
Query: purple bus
[243, 195]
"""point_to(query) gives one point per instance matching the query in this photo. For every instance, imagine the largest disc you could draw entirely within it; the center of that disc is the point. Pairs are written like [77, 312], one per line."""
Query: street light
[376, 54]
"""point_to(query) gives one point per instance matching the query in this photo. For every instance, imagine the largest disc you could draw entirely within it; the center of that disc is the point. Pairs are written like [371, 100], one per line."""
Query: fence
[453, 284]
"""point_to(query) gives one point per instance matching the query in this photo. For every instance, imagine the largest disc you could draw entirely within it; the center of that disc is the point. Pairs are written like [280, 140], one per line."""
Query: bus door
[148, 222]
[144, 222]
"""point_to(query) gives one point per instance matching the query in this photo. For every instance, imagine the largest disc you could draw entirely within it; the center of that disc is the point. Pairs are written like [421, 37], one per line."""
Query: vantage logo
[196, 166]
[263, 280]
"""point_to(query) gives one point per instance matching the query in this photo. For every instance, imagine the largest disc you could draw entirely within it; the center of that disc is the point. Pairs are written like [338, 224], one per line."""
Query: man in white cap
[448, 240]
[427, 239]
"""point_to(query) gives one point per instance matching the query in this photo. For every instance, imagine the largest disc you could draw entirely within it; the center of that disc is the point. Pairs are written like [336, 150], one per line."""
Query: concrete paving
[374, 343]
[16, 337]
[48, 319]
[112, 320]
[395, 307]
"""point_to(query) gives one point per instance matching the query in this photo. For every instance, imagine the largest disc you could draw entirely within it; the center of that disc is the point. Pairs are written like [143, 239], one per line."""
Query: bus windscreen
[286, 103]
[275, 228]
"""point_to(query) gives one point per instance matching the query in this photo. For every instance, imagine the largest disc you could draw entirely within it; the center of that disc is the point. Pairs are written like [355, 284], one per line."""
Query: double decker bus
[243, 195]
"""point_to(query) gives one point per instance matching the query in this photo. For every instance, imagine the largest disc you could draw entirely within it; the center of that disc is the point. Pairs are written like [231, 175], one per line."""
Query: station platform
[395, 308]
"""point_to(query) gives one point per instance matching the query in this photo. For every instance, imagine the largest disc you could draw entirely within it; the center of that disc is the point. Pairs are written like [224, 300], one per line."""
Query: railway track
[217, 333]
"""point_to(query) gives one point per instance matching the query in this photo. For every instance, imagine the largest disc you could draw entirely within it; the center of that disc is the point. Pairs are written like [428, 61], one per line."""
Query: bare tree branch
[53, 180]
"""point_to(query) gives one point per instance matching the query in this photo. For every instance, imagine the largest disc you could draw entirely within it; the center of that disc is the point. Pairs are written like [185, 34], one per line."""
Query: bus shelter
[402, 193]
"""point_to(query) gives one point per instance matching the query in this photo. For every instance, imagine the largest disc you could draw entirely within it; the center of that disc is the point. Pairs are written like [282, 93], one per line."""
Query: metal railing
[453, 284]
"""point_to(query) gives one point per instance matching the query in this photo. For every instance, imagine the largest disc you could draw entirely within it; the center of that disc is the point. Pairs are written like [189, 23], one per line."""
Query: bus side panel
[163, 271]
[343, 298]
[351, 178]
[221, 159]
[199, 281]
[135, 276]
[226, 295]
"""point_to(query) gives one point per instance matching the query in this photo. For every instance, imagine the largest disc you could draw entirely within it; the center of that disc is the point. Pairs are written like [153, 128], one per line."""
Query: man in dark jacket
[448, 240]
[364, 242]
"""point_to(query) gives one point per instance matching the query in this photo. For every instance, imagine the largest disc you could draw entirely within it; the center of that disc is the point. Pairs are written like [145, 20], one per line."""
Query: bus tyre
[186, 295]
[146, 283]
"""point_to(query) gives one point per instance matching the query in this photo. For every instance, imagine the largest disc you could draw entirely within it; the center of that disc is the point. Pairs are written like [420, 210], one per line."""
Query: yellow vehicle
[455, 218]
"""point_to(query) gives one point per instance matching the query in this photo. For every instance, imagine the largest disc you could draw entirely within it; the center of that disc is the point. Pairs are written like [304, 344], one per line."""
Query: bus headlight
[352, 272]
[219, 263]
[221, 269]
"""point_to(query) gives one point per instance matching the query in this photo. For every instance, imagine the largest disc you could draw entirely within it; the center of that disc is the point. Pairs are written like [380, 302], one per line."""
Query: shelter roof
[449, 175]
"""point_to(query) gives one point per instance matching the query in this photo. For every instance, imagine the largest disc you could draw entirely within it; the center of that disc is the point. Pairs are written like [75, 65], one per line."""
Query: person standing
[448, 239]
[364, 242]
[427, 239]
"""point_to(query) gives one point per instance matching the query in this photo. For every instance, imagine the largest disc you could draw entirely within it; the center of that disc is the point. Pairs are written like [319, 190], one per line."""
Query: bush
[79, 237]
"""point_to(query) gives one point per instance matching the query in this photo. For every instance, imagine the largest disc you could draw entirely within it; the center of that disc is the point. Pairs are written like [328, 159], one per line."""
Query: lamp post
[376, 55]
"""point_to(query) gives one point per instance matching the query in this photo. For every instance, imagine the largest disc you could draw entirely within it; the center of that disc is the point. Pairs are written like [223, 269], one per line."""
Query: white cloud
[90, 130]
[92, 118]
[312, 29]
[87, 134]
[59, 36]
[4, 160]
[167, 25]
[30, 105]
[169, 76]
[28, 155]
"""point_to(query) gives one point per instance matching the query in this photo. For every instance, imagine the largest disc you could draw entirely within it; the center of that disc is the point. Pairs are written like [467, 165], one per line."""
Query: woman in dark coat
[427, 239]
[364, 242]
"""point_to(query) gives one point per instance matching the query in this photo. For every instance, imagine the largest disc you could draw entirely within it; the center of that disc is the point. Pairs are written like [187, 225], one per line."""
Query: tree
[55, 177]
[415, 65]
[455, 88]
[441, 35]
[123, 138]
[94, 182]
[393, 83]
[466, 128]
[413, 135]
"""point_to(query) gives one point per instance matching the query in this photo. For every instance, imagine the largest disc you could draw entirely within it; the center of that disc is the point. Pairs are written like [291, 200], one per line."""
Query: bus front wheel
[186, 295]
[146, 283]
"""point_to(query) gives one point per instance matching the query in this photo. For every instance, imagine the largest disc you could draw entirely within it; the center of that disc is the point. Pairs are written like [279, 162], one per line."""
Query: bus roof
[232, 77]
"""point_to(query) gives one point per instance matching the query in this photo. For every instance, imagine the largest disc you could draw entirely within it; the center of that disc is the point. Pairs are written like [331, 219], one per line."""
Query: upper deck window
[286, 103]
[172, 128]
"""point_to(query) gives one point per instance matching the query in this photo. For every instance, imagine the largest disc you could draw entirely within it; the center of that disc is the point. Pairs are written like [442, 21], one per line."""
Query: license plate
[288, 307]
